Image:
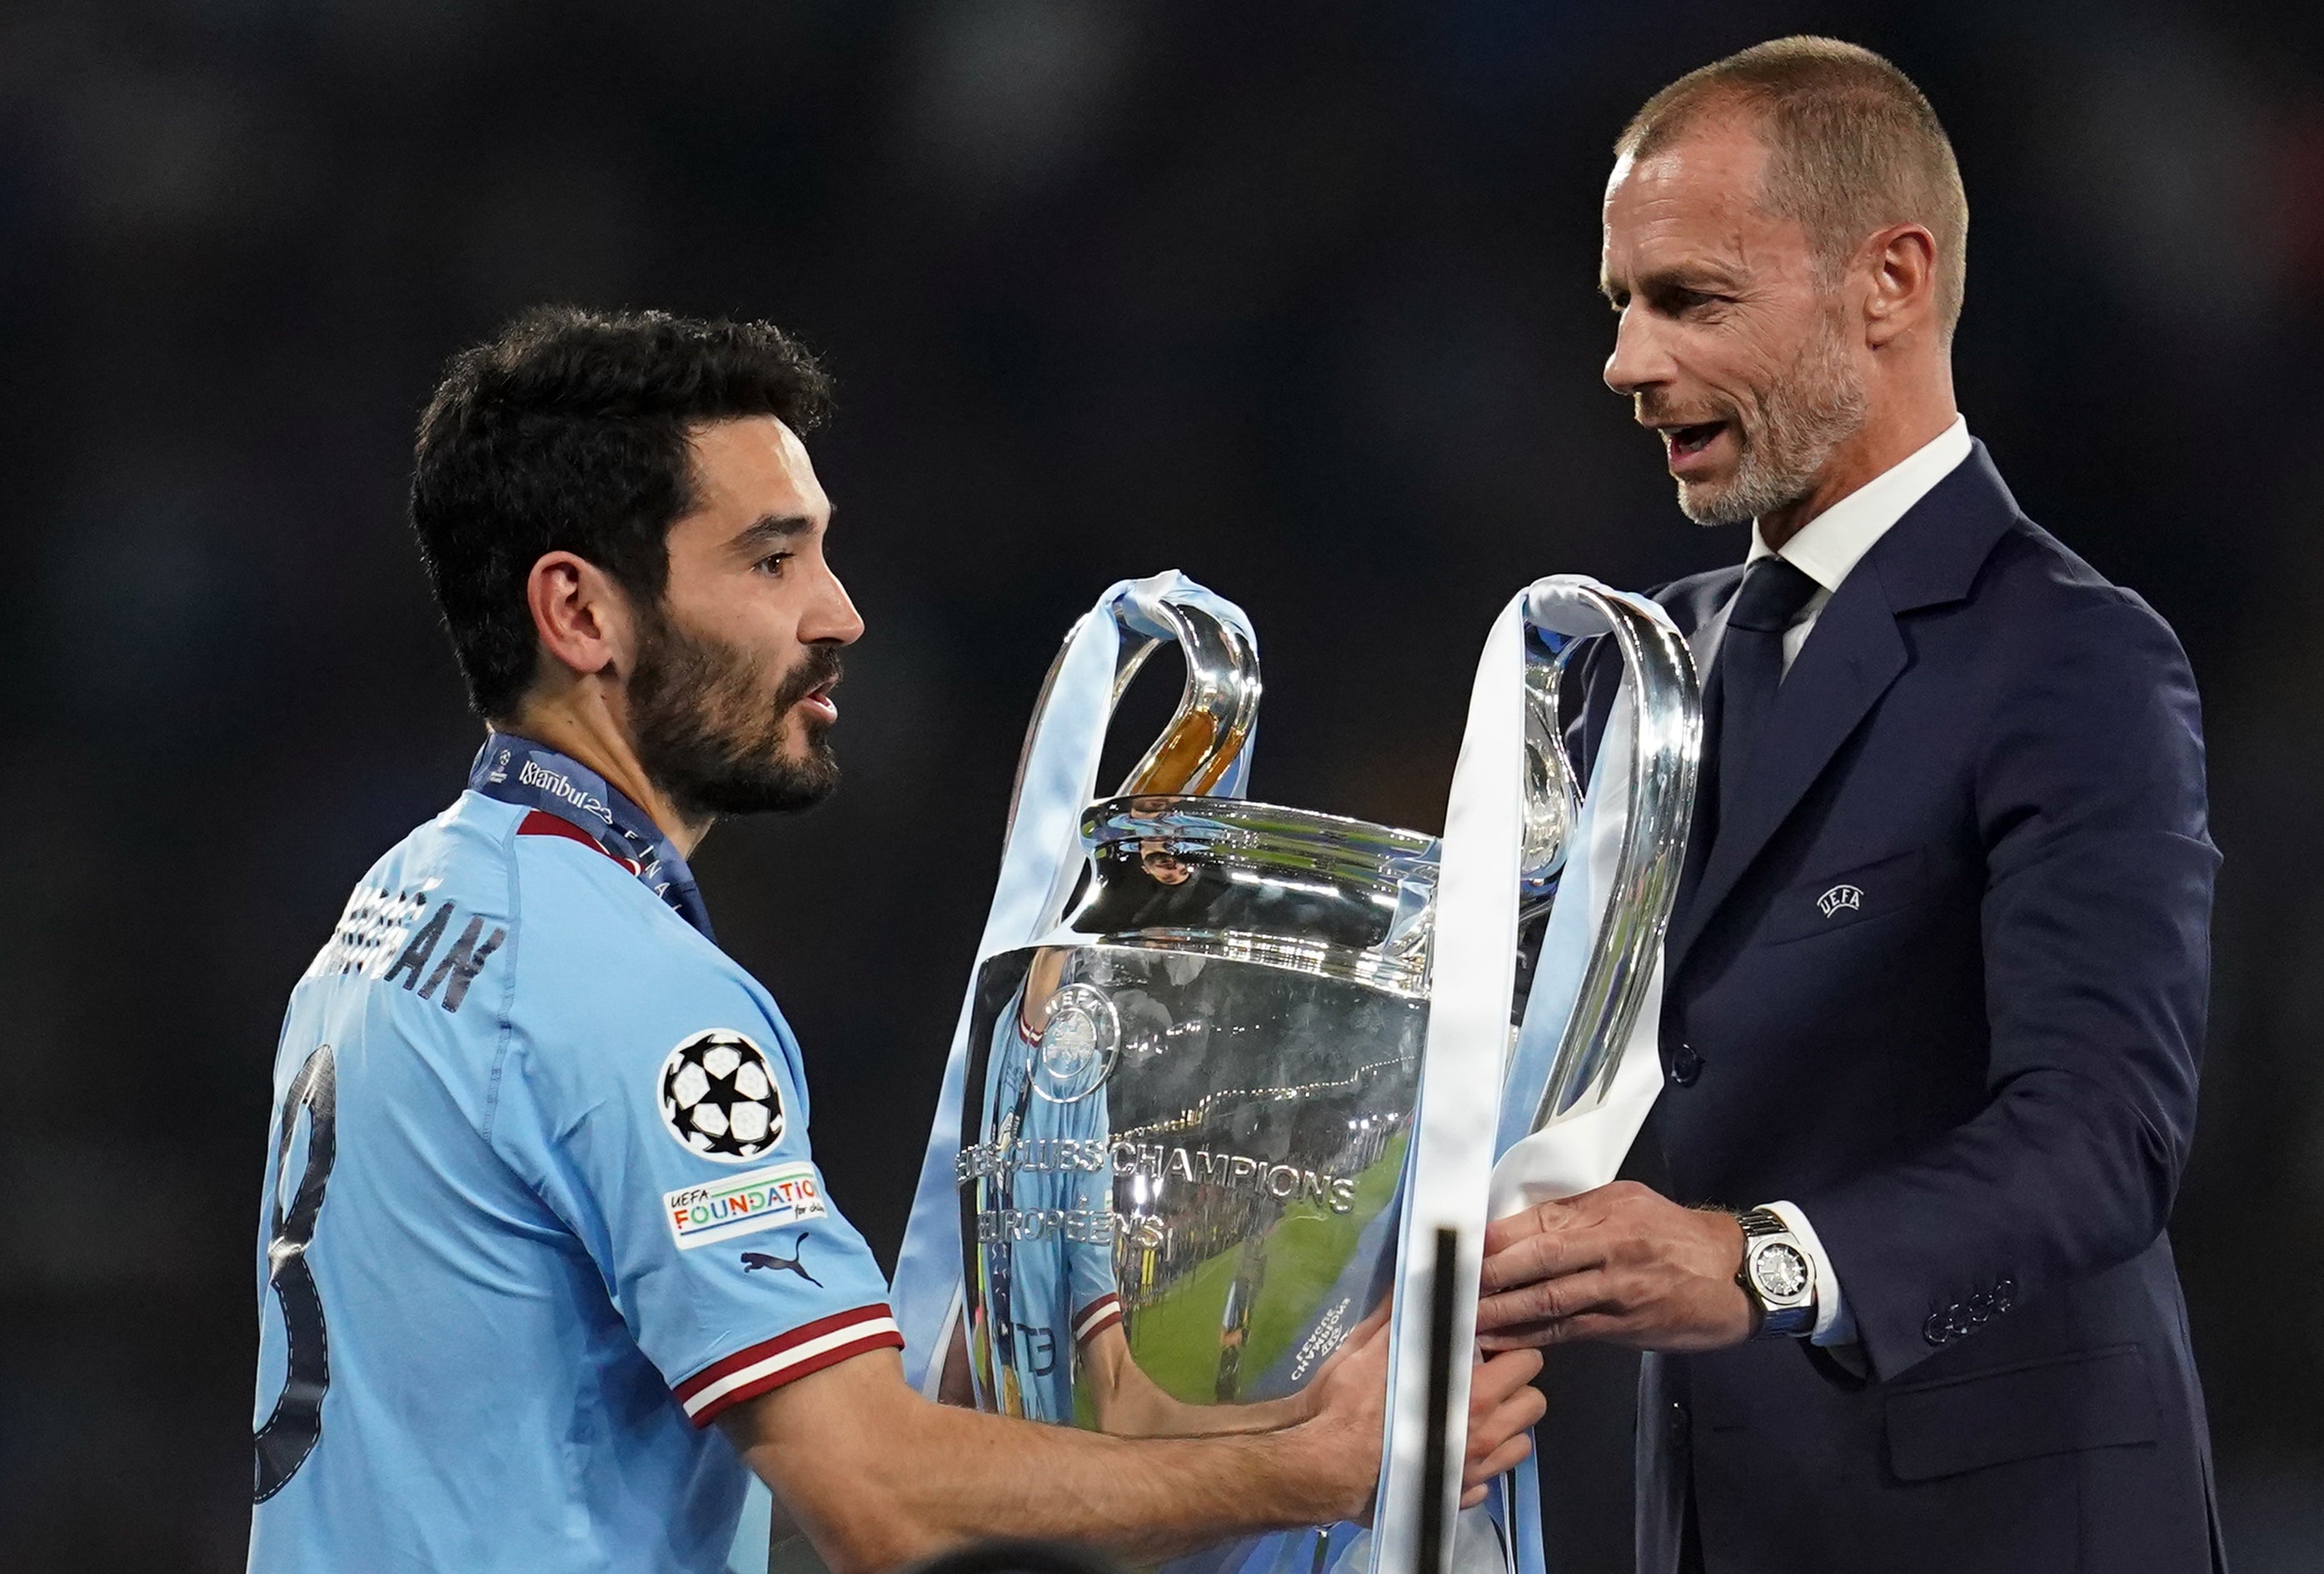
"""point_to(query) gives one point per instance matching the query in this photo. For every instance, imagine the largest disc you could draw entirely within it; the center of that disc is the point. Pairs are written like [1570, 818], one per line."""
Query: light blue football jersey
[1049, 1287]
[539, 1205]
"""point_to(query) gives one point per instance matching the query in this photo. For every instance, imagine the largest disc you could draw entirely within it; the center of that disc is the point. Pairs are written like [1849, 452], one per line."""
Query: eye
[772, 564]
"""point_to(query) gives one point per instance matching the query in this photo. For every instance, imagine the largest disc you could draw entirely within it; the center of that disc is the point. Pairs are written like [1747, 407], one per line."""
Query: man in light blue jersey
[541, 1204]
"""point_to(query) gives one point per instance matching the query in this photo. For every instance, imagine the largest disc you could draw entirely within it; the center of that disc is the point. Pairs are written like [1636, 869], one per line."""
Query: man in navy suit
[1936, 979]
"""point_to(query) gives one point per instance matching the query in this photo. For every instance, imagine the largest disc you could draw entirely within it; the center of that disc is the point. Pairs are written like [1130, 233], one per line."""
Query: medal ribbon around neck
[533, 776]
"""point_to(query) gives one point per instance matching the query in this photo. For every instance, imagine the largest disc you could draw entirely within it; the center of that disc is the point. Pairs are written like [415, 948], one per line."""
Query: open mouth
[818, 700]
[1684, 442]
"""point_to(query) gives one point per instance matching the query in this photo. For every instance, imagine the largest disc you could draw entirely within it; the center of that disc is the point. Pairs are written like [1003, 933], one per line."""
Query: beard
[713, 739]
[1815, 405]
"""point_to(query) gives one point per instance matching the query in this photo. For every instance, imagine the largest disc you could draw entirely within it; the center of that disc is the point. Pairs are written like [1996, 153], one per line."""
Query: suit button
[2003, 1293]
[1937, 1329]
[1685, 1066]
[1677, 1419]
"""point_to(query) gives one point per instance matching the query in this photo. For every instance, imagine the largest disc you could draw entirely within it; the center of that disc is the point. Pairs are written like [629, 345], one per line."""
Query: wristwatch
[1777, 1276]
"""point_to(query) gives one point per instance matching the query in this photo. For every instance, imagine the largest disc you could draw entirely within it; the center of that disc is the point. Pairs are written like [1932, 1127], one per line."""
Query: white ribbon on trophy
[1041, 859]
[1475, 1153]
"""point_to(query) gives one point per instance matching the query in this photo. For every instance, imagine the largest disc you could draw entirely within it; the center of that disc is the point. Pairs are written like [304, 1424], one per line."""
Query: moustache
[821, 666]
[1650, 409]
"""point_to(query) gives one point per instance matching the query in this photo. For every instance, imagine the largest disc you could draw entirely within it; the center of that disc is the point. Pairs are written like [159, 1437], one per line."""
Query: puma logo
[753, 1261]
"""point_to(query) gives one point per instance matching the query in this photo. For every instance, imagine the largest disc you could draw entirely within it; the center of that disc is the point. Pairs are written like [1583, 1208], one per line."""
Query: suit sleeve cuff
[1833, 1325]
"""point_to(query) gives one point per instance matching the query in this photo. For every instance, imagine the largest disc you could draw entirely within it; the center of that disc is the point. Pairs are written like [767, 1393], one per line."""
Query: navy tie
[1744, 677]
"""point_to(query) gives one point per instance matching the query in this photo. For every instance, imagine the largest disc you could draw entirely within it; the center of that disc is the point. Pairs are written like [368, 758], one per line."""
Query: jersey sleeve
[1091, 1290]
[1067, 1276]
[662, 1116]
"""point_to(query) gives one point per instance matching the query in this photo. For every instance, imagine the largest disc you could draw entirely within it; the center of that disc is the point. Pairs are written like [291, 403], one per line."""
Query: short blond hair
[1854, 147]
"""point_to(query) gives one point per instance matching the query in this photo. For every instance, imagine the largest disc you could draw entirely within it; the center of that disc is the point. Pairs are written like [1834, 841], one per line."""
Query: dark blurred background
[1298, 298]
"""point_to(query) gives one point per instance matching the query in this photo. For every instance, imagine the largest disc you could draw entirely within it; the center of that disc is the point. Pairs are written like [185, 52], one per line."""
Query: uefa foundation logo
[719, 1097]
[1079, 1045]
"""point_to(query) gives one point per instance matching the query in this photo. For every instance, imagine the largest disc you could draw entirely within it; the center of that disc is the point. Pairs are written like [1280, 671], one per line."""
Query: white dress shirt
[1833, 542]
[1826, 548]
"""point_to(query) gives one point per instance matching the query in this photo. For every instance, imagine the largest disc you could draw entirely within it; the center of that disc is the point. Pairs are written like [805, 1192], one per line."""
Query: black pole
[1436, 1466]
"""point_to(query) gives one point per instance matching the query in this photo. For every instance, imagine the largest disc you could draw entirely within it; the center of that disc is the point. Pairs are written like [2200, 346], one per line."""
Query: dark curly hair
[569, 431]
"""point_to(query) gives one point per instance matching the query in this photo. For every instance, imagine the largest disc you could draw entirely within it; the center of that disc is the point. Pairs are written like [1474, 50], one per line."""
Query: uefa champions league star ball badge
[719, 1097]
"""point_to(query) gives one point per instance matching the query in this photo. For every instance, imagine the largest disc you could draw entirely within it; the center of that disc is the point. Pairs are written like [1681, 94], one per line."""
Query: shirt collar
[1832, 543]
[533, 776]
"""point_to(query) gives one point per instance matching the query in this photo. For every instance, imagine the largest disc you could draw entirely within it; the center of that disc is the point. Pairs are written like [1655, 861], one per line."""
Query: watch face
[1780, 1270]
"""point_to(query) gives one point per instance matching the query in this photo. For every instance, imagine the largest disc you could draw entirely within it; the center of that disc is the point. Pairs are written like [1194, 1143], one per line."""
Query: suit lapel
[1703, 640]
[1847, 663]
[1929, 557]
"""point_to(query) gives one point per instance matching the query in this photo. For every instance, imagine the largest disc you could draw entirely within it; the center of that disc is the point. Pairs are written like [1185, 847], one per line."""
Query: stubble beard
[1804, 416]
[709, 736]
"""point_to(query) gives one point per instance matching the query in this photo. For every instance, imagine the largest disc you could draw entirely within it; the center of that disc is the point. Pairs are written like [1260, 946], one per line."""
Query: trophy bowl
[1188, 1112]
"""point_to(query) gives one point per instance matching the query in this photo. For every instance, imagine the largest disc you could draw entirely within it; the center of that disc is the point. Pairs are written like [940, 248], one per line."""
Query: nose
[1640, 359]
[833, 620]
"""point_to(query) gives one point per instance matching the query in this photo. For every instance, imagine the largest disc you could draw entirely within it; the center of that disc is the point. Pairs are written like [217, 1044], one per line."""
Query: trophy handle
[1217, 708]
[1665, 755]
[1553, 799]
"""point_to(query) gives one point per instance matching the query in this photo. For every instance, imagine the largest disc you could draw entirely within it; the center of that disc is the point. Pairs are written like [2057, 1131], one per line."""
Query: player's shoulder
[618, 1000]
[604, 962]
[431, 911]
[597, 929]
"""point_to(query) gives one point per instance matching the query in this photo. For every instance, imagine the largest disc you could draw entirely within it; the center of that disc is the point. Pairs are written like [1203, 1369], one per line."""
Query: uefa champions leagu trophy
[1182, 1155]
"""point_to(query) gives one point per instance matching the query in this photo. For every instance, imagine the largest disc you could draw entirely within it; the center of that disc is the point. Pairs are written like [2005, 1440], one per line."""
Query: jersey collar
[533, 776]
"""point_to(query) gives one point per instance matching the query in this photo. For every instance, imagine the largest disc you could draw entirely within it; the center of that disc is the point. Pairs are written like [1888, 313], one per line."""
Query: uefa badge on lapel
[1840, 899]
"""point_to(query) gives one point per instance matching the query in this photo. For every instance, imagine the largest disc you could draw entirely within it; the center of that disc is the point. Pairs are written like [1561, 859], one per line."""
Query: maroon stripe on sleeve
[710, 1410]
[771, 1363]
[1095, 1318]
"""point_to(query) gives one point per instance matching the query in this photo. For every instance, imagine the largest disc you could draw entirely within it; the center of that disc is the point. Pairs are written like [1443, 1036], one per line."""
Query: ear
[1903, 268]
[581, 616]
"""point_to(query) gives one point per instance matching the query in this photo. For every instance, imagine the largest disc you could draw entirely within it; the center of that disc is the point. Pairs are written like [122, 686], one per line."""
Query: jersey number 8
[290, 1432]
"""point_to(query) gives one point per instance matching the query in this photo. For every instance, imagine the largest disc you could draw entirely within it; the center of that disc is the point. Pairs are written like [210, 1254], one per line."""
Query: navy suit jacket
[1941, 983]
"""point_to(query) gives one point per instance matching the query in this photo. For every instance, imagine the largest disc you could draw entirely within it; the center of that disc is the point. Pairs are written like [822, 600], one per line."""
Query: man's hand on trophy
[1623, 1264]
[1352, 1402]
[1357, 1343]
[1349, 1404]
[1503, 1405]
